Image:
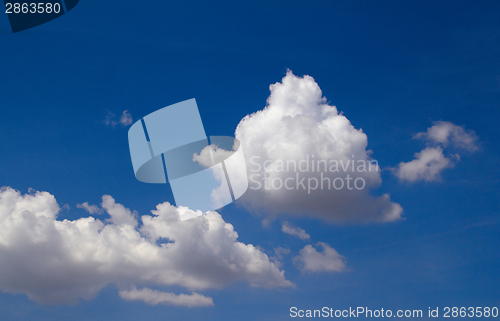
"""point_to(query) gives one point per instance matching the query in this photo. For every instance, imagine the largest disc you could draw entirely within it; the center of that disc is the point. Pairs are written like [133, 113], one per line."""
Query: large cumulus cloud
[299, 125]
[61, 261]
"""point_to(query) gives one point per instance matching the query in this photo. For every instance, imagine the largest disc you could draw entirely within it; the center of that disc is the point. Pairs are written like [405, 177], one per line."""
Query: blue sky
[393, 69]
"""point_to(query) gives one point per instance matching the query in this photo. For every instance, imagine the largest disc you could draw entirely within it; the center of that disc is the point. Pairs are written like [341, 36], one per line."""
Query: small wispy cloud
[154, 297]
[112, 119]
[278, 255]
[126, 118]
[487, 222]
[310, 260]
[92, 209]
[295, 231]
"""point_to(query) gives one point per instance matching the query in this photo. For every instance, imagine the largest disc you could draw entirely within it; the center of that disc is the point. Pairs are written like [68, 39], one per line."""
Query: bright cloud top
[54, 261]
[310, 260]
[305, 158]
[431, 161]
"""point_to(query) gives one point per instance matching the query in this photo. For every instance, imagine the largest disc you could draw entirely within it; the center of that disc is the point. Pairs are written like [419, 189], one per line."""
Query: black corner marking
[70, 4]
[26, 14]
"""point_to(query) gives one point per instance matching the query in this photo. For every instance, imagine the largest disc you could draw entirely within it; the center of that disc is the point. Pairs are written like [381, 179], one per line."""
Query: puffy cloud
[305, 158]
[92, 209]
[310, 260]
[427, 166]
[61, 261]
[295, 231]
[126, 118]
[157, 297]
[429, 163]
[120, 215]
[446, 133]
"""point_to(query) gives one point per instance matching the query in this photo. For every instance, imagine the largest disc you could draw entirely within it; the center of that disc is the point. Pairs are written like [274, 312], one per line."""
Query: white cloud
[446, 133]
[126, 118]
[298, 124]
[153, 297]
[120, 215]
[112, 120]
[211, 155]
[310, 260]
[61, 261]
[92, 209]
[295, 231]
[429, 163]
[427, 166]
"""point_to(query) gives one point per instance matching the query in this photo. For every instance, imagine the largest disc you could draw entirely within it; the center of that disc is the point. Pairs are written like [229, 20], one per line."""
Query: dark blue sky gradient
[392, 67]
